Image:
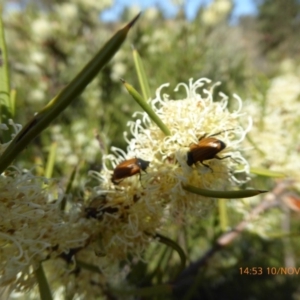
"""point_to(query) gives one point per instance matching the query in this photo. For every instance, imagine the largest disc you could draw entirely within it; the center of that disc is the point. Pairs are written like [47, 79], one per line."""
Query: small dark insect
[98, 208]
[207, 148]
[129, 168]
[69, 255]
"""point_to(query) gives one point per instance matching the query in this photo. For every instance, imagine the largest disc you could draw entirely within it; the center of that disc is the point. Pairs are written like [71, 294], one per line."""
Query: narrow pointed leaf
[68, 189]
[51, 160]
[13, 96]
[267, 173]
[223, 194]
[250, 140]
[43, 118]
[44, 289]
[146, 107]
[159, 265]
[141, 75]
[170, 243]
[88, 267]
[6, 106]
[223, 215]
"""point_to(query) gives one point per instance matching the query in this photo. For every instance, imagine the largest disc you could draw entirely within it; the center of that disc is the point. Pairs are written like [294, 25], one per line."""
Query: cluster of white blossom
[116, 220]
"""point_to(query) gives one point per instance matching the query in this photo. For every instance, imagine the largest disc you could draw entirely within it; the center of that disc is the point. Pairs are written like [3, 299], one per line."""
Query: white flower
[118, 70]
[92, 4]
[275, 136]
[217, 11]
[41, 28]
[67, 11]
[16, 129]
[38, 57]
[37, 95]
[188, 120]
[151, 14]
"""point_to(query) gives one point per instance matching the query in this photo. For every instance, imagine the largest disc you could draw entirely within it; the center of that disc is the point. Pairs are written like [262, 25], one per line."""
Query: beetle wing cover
[193, 146]
[125, 169]
[209, 143]
[204, 152]
[129, 164]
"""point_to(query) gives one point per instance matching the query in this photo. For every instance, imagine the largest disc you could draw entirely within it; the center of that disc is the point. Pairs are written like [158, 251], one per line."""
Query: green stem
[44, 289]
[176, 247]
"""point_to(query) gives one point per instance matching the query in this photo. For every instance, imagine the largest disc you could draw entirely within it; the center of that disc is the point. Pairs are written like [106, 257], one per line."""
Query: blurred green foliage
[48, 43]
[279, 25]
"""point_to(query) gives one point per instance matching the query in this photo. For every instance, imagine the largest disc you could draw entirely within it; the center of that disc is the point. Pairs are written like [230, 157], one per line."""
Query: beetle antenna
[222, 131]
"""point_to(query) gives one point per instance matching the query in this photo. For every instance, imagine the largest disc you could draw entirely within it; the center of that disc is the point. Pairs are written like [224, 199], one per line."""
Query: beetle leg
[116, 182]
[207, 166]
[227, 156]
[202, 137]
[189, 160]
[220, 158]
[221, 132]
[140, 178]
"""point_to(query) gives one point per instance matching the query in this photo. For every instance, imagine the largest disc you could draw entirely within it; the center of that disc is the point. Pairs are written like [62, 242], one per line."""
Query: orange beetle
[129, 168]
[207, 148]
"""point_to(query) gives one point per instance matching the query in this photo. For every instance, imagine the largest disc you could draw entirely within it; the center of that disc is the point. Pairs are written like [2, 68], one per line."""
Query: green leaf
[223, 215]
[146, 107]
[141, 75]
[223, 194]
[170, 243]
[89, 267]
[160, 265]
[266, 173]
[250, 140]
[51, 161]
[68, 189]
[44, 289]
[6, 105]
[43, 118]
